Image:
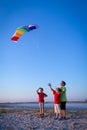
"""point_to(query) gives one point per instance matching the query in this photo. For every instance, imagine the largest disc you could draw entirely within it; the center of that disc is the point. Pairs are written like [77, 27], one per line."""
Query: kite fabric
[20, 31]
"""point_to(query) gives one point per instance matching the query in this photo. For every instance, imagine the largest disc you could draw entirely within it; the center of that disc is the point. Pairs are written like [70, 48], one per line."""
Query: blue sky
[56, 51]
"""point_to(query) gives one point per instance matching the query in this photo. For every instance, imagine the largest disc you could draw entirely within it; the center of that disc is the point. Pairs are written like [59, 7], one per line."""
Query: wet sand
[30, 120]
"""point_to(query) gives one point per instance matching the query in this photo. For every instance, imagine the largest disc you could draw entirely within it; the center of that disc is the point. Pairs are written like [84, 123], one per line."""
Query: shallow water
[47, 105]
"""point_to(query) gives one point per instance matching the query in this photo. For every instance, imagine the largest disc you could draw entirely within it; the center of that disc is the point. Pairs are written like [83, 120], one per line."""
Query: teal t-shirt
[63, 97]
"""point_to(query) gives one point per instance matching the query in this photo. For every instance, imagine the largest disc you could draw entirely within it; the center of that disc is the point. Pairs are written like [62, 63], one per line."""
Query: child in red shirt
[41, 96]
[57, 95]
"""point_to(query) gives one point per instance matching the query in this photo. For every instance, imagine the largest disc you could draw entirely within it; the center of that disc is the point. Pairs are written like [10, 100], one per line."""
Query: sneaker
[55, 118]
[41, 115]
[64, 118]
[59, 119]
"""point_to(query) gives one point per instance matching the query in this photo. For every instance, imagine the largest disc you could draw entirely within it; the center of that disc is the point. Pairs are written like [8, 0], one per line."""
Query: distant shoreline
[37, 102]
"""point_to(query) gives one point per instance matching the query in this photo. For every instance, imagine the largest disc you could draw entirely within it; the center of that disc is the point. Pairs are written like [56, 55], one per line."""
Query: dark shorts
[63, 105]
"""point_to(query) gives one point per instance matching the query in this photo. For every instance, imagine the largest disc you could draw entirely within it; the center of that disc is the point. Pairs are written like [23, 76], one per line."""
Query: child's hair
[64, 83]
[41, 89]
[59, 89]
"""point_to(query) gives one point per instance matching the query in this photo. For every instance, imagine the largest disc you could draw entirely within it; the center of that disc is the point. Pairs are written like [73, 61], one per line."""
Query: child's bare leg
[56, 115]
[59, 111]
[63, 113]
[43, 109]
[59, 115]
[40, 111]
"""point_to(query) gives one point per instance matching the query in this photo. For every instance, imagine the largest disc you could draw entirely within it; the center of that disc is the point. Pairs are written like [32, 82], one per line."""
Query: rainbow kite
[20, 31]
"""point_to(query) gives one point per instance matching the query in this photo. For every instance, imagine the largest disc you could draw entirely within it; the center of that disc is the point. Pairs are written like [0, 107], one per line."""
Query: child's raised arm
[50, 86]
[37, 90]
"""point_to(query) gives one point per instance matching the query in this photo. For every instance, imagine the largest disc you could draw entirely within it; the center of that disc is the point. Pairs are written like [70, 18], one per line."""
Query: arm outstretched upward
[50, 86]
[37, 90]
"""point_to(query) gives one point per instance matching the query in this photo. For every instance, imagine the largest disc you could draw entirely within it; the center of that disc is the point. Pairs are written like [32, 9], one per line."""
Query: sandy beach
[30, 120]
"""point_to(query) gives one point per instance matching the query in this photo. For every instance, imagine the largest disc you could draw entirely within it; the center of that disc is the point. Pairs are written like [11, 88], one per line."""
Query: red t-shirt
[41, 97]
[56, 97]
